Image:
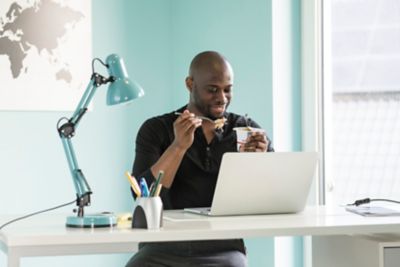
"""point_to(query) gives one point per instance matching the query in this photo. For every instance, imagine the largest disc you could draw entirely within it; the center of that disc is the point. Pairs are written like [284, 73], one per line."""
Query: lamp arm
[82, 187]
[67, 131]
[95, 81]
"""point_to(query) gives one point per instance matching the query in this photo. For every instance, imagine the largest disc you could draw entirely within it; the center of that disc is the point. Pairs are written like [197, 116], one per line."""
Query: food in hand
[219, 123]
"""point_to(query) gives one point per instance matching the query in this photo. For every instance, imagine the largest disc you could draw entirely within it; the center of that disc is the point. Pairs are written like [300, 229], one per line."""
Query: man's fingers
[257, 137]
[186, 121]
[190, 124]
[255, 146]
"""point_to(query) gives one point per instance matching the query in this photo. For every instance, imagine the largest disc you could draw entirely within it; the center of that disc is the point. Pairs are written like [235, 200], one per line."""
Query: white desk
[46, 235]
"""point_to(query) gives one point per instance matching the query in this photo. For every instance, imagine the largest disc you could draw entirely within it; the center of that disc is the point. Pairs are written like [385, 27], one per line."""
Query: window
[361, 103]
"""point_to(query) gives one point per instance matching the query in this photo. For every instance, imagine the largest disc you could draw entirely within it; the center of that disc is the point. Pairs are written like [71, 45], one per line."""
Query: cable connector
[369, 200]
[361, 201]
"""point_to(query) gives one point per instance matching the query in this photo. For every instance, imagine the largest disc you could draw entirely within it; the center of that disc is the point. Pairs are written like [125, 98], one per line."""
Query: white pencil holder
[147, 213]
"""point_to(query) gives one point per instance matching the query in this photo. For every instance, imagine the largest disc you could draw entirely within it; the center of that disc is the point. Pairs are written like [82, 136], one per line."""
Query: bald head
[209, 62]
[210, 84]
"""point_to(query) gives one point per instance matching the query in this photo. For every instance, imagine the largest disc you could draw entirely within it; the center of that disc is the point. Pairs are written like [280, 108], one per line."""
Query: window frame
[312, 89]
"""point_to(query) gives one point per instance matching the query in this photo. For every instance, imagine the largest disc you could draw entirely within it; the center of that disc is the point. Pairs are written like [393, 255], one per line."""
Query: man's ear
[189, 83]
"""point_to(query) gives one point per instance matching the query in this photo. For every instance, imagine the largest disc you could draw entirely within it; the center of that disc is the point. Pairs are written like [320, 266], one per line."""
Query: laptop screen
[263, 183]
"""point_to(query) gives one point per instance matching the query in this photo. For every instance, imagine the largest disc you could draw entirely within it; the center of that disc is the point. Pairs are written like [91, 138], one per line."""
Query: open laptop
[262, 183]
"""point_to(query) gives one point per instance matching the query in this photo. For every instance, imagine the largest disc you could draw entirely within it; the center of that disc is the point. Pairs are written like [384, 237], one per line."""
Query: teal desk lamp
[121, 90]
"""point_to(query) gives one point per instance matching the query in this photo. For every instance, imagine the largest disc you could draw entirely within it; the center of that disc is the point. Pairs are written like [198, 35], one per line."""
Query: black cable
[98, 59]
[35, 213]
[58, 122]
[369, 200]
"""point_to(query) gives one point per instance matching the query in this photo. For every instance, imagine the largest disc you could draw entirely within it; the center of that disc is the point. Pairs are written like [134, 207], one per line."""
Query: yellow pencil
[158, 190]
[134, 184]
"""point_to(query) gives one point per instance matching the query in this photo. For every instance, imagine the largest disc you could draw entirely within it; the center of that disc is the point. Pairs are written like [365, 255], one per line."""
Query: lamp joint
[99, 80]
[81, 202]
[67, 130]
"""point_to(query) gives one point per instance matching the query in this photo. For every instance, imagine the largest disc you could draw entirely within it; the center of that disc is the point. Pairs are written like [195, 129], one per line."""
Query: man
[189, 151]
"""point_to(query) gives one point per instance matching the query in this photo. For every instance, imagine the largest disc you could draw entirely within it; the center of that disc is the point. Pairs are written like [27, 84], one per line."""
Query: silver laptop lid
[263, 183]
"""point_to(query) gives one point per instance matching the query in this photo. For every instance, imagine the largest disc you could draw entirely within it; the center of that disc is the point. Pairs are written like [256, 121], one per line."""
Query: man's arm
[151, 154]
[184, 127]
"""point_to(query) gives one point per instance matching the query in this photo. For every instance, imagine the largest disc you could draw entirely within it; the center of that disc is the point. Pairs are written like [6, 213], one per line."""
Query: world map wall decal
[45, 53]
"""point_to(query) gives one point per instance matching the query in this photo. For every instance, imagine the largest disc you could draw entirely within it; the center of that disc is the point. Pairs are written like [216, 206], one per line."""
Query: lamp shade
[122, 89]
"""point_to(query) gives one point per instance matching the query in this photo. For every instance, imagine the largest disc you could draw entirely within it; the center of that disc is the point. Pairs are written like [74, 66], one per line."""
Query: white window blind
[363, 119]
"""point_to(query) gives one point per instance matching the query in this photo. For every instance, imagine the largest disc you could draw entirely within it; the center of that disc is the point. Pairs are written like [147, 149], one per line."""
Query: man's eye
[212, 89]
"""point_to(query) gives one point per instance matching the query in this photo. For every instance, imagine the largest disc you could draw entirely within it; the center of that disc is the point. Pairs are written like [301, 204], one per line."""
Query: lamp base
[92, 221]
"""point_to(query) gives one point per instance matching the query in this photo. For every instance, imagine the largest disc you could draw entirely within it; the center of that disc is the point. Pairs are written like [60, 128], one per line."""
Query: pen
[157, 182]
[134, 185]
[144, 188]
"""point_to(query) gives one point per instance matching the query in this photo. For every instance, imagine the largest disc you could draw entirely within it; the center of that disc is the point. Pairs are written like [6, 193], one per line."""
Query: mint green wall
[157, 39]
[239, 29]
[297, 258]
[296, 74]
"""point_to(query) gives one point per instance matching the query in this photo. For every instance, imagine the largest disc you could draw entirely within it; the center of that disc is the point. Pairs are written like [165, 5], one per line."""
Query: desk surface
[50, 230]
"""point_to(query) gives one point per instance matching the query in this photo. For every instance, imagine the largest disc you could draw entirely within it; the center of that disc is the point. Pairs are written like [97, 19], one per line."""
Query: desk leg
[344, 251]
[13, 258]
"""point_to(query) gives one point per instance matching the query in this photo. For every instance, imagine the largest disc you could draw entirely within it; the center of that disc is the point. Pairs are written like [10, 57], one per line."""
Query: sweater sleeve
[152, 140]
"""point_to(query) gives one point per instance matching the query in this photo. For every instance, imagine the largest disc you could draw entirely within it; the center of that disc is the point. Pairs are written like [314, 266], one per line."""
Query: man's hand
[257, 142]
[184, 127]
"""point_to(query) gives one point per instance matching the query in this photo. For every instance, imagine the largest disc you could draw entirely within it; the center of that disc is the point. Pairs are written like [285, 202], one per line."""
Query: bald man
[189, 151]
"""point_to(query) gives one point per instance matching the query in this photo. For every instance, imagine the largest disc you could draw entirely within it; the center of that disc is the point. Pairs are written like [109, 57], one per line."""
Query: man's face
[211, 92]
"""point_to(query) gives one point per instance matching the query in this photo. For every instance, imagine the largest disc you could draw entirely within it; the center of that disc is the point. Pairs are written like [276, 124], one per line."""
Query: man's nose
[221, 96]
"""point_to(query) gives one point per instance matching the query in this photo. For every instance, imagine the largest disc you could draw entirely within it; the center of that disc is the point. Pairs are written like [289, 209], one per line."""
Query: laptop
[261, 183]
